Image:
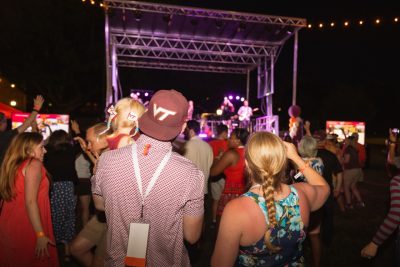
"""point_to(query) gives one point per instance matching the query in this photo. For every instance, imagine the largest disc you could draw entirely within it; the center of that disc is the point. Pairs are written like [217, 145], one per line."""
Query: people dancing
[266, 226]
[26, 229]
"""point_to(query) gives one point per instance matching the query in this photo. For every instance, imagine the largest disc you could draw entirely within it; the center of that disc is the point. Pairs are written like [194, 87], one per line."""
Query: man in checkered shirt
[174, 206]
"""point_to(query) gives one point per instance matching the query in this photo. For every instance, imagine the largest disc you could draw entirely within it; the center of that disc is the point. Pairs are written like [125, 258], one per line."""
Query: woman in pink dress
[26, 231]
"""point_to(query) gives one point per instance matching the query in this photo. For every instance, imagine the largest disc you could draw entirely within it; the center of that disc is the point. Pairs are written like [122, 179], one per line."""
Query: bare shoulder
[239, 206]
[34, 164]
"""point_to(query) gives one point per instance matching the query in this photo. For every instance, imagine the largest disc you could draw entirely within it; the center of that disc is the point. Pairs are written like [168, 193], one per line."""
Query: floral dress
[288, 234]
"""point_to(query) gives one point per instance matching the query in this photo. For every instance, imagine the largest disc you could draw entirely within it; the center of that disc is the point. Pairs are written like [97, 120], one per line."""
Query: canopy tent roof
[8, 110]
[153, 35]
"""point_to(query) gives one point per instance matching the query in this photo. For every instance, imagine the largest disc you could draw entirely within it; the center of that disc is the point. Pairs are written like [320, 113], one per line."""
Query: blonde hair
[266, 164]
[123, 107]
[19, 150]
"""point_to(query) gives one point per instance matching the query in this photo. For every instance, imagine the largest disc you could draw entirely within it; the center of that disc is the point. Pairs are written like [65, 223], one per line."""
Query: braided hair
[266, 164]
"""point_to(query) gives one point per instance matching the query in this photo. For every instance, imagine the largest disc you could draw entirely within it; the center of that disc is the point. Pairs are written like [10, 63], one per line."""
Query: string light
[92, 2]
[12, 85]
[349, 23]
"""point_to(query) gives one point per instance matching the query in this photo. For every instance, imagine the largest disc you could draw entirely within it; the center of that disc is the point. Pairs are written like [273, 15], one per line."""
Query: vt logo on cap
[166, 115]
[165, 112]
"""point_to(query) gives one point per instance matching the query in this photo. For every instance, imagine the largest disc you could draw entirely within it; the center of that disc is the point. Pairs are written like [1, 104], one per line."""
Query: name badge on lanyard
[139, 231]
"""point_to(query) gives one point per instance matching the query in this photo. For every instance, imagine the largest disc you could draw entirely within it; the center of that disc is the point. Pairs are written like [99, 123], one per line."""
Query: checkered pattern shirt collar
[154, 143]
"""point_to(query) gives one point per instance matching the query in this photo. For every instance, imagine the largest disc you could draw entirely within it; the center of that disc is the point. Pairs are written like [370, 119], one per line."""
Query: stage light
[346, 24]
[332, 24]
[138, 94]
[202, 135]
[167, 18]
[12, 85]
[219, 112]
[242, 99]
[219, 24]
[137, 15]
[84, 1]
[377, 21]
[309, 25]
[92, 2]
[13, 103]
[396, 19]
[230, 97]
[146, 94]
[242, 26]
[361, 22]
[132, 95]
[237, 97]
[321, 25]
[101, 5]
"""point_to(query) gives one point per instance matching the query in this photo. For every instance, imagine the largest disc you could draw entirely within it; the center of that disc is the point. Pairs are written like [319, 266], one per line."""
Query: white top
[82, 167]
[200, 153]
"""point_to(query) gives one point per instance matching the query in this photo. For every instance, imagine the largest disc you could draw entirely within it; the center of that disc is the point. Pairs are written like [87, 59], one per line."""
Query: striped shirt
[177, 192]
[392, 220]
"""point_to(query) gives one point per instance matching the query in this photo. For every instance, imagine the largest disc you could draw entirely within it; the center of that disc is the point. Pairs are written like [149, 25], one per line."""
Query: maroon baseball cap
[165, 116]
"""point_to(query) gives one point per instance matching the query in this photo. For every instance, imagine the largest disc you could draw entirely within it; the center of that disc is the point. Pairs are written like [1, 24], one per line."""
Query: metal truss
[165, 48]
[182, 67]
[204, 13]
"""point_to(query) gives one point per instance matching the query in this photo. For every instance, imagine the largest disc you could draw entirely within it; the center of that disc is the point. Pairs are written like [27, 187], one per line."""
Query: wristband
[40, 234]
[34, 109]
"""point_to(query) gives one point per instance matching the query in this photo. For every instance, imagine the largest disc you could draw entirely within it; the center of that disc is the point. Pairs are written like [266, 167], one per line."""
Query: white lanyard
[155, 175]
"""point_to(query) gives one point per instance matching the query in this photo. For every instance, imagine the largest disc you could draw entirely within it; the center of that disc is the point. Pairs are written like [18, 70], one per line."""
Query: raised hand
[392, 135]
[75, 127]
[38, 102]
[291, 151]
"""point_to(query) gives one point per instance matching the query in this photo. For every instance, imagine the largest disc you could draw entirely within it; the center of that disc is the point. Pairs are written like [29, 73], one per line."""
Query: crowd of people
[150, 190]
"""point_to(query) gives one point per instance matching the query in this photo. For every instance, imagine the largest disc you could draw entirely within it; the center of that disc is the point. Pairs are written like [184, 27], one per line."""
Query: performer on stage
[245, 112]
[227, 108]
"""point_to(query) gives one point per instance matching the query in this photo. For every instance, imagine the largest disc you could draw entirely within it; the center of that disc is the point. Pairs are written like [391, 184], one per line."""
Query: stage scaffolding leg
[296, 40]
[248, 86]
[114, 70]
[109, 92]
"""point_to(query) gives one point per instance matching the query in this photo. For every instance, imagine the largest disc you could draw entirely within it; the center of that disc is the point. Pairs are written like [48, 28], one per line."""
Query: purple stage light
[230, 97]
[237, 97]
[138, 94]
[146, 94]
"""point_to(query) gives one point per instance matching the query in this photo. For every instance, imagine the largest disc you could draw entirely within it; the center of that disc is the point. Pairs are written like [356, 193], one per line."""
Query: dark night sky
[56, 48]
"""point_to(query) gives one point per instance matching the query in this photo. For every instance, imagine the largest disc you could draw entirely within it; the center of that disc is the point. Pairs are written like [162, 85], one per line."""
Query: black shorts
[84, 187]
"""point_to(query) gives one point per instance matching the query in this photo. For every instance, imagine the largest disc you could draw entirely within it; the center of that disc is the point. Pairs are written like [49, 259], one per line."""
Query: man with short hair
[147, 185]
[7, 136]
[198, 151]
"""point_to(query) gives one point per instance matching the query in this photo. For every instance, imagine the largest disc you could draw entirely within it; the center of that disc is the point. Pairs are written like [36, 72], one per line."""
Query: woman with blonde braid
[266, 226]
